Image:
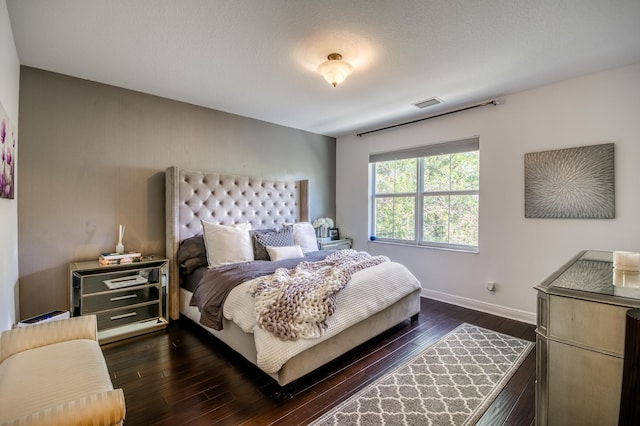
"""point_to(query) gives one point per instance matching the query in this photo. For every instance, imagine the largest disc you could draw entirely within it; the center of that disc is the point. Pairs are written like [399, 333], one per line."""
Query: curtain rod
[491, 102]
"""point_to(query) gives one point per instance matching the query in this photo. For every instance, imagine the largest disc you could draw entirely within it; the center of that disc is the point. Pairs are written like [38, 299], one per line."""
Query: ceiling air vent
[427, 103]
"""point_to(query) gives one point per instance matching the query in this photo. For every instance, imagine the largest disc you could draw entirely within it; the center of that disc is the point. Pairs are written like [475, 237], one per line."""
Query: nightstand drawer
[120, 317]
[97, 283]
[118, 299]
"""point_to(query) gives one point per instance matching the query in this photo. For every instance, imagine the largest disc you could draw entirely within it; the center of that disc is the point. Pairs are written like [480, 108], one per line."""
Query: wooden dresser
[580, 342]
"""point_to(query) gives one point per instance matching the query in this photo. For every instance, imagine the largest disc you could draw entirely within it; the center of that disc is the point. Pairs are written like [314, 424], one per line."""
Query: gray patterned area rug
[452, 382]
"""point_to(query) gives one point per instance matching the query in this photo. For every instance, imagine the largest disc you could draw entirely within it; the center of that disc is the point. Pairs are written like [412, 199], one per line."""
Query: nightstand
[344, 243]
[128, 299]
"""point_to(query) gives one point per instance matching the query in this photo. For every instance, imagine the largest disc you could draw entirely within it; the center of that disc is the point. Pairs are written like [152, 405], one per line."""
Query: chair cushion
[50, 375]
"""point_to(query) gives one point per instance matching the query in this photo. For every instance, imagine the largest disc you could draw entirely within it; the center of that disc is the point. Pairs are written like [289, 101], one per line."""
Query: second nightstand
[344, 243]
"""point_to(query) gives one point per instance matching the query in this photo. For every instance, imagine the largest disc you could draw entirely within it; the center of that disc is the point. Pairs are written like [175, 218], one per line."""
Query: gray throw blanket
[296, 303]
[215, 285]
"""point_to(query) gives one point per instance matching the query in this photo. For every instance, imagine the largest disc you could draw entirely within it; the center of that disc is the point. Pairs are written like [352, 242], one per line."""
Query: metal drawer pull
[117, 317]
[128, 296]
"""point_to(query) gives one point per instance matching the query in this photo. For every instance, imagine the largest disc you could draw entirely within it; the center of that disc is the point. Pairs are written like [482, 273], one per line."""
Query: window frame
[419, 153]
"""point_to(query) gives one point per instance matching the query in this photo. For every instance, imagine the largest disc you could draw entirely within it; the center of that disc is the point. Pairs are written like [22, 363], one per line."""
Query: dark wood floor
[185, 376]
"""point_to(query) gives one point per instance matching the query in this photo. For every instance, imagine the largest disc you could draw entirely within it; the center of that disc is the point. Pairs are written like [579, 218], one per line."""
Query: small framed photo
[334, 234]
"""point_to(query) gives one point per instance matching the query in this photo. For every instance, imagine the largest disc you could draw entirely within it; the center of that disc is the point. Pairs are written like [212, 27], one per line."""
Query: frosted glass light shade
[335, 70]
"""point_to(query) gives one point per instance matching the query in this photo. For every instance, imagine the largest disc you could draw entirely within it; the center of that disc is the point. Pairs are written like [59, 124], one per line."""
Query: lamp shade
[334, 69]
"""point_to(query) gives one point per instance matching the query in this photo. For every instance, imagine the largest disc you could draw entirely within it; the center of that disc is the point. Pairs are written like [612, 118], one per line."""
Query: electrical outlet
[491, 286]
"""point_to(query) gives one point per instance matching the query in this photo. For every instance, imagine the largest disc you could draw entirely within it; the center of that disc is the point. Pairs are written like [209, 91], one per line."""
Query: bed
[195, 199]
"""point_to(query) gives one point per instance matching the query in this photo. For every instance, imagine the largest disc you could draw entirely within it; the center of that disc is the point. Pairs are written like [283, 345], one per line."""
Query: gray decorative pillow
[281, 238]
[259, 251]
[192, 254]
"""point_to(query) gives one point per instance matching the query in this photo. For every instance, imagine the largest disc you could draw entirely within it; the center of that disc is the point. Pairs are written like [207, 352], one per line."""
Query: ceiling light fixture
[335, 70]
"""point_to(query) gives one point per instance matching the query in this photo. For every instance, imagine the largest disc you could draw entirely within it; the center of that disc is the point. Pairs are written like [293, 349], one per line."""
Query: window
[427, 195]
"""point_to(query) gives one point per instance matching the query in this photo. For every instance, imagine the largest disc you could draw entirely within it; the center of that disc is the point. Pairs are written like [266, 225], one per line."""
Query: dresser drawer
[120, 317]
[118, 299]
[594, 325]
[584, 386]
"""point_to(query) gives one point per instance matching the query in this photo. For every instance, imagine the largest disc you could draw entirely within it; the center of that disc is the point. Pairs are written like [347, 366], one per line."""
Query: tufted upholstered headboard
[192, 196]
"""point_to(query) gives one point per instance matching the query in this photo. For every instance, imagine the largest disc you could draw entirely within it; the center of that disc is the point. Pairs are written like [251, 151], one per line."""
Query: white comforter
[369, 291]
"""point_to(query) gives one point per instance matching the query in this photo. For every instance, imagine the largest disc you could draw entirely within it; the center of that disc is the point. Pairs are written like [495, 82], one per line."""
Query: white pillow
[282, 253]
[305, 236]
[227, 244]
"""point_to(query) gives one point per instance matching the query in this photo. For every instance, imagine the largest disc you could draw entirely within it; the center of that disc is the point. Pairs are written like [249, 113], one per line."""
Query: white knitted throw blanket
[295, 303]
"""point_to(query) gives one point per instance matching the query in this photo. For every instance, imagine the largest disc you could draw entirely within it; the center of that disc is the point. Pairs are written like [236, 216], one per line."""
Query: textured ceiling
[258, 58]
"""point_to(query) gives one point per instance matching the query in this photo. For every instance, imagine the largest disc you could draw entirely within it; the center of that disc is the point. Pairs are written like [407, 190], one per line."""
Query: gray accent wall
[93, 156]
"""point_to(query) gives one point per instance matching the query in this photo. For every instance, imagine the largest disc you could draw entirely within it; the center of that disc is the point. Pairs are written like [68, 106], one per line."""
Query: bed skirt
[320, 354]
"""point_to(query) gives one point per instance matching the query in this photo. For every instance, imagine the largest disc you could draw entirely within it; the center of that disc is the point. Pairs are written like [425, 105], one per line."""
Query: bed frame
[192, 196]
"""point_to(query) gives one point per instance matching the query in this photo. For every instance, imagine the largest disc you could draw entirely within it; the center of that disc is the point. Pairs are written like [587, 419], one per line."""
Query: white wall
[515, 252]
[9, 88]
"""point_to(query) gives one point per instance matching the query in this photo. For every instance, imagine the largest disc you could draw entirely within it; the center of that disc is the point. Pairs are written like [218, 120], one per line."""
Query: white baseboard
[489, 308]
